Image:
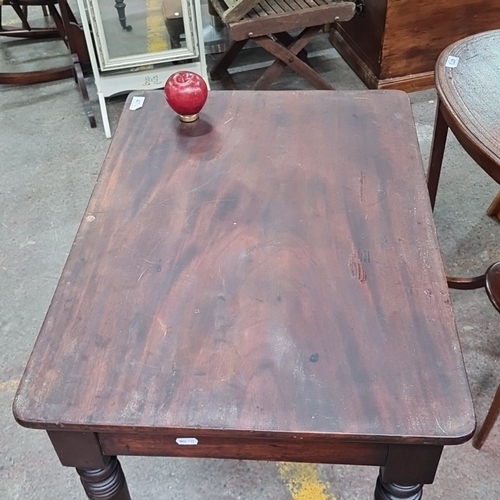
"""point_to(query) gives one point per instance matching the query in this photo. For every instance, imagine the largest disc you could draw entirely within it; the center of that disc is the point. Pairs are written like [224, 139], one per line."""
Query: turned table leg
[120, 7]
[392, 491]
[101, 475]
[105, 484]
[406, 470]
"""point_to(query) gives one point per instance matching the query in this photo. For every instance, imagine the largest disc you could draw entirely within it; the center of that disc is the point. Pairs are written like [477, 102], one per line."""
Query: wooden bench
[268, 23]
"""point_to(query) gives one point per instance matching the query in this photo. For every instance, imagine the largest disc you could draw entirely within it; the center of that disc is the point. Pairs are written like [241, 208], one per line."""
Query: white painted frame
[152, 77]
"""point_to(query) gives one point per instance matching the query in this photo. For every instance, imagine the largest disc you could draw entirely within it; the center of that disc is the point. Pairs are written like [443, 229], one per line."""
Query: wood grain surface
[419, 31]
[365, 34]
[400, 40]
[470, 97]
[271, 270]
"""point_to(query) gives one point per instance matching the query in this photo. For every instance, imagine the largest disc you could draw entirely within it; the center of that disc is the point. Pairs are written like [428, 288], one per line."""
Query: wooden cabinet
[395, 43]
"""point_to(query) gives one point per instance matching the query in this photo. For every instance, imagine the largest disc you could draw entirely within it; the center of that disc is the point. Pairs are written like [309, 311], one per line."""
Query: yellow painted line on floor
[9, 385]
[303, 482]
[155, 27]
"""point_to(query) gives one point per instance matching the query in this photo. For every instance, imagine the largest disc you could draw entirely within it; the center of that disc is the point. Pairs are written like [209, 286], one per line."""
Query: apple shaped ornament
[186, 93]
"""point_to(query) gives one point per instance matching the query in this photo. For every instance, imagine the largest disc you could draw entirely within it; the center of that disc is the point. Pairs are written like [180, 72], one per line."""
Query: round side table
[468, 85]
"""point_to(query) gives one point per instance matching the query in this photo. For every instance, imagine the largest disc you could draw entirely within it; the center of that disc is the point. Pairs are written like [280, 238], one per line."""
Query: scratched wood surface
[270, 270]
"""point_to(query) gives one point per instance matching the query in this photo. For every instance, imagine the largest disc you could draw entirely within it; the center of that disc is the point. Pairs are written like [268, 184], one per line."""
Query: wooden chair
[66, 28]
[21, 9]
[492, 285]
[25, 30]
[267, 23]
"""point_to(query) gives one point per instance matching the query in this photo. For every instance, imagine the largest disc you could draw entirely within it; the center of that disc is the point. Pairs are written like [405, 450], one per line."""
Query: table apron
[299, 450]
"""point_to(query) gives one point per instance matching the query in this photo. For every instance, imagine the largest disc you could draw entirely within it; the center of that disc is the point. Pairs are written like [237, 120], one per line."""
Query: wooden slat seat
[267, 23]
[296, 16]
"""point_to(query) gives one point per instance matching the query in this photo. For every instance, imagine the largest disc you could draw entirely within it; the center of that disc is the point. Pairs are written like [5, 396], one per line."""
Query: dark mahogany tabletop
[270, 270]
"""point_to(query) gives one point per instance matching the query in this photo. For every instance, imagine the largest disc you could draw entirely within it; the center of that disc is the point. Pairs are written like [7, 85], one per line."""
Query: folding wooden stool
[267, 23]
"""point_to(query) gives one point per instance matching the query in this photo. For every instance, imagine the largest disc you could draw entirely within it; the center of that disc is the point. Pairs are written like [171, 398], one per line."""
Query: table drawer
[248, 449]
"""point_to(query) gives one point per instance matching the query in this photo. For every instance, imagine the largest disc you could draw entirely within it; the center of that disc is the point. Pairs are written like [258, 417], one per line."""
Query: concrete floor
[49, 162]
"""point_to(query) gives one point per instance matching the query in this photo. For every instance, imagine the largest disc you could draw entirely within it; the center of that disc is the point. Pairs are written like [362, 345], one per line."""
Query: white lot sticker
[137, 102]
[186, 441]
[452, 62]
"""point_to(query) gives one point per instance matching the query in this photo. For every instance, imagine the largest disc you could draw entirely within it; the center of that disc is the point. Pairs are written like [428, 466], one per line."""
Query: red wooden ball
[186, 93]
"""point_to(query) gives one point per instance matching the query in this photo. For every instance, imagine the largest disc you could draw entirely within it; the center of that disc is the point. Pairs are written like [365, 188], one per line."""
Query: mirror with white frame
[142, 32]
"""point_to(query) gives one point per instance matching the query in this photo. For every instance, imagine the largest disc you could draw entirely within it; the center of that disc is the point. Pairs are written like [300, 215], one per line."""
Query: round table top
[468, 85]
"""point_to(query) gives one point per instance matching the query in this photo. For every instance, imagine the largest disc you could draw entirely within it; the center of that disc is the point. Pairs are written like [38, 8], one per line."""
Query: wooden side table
[467, 76]
[255, 289]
